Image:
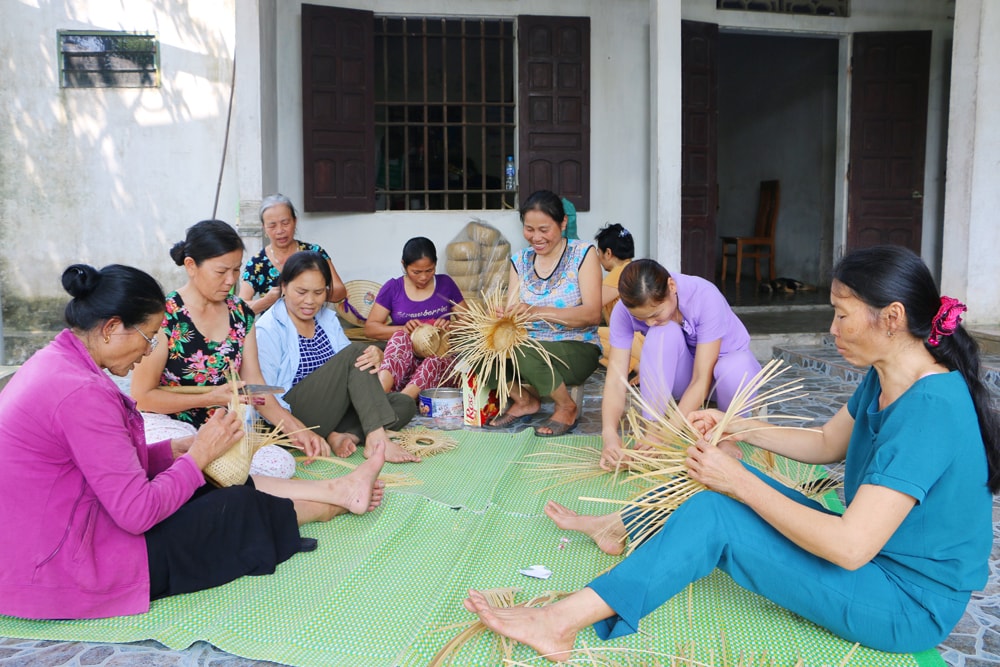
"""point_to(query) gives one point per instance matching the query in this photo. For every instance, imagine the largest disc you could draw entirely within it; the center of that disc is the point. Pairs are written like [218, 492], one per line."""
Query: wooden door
[889, 78]
[699, 118]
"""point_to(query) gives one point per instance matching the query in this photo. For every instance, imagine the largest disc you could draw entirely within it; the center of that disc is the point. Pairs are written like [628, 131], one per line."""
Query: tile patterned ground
[974, 643]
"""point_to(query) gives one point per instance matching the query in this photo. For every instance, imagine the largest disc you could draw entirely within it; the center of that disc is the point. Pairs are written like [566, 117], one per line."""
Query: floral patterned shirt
[560, 289]
[260, 273]
[194, 361]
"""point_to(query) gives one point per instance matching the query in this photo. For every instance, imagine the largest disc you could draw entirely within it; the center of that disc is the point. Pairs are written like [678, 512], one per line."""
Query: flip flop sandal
[557, 428]
[506, 420]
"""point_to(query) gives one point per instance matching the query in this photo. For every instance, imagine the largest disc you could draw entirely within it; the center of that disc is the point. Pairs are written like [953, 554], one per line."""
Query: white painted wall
[369, 245]
[109, 175]
[969, 261]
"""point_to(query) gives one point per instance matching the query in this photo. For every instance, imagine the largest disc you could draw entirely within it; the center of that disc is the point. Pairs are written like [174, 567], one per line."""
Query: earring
[890, 333]
[107, 338]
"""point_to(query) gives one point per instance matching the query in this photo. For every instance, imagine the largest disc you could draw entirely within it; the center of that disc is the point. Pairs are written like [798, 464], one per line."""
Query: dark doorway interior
[778, 120]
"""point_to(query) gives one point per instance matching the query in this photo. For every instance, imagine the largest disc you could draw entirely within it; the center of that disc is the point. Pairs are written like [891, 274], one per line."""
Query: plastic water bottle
[510, 173]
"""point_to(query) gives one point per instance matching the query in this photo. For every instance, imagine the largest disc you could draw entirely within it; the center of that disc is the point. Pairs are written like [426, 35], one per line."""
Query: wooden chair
[761, 244]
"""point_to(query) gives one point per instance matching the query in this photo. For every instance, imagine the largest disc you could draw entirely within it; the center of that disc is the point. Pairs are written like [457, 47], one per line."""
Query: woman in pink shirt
[96, 521]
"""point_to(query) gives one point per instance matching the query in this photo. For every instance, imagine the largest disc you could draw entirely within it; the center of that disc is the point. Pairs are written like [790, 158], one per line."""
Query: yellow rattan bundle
[486, 343]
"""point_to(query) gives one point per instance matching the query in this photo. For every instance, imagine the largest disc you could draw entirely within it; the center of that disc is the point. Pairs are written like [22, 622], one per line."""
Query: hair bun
[178, 252]
[80, 280]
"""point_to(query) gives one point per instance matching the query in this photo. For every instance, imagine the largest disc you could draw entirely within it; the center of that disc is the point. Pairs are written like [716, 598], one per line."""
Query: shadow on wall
[105, 175]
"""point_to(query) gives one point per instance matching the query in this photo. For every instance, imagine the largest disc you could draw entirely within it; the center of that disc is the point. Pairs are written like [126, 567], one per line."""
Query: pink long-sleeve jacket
[78, 488]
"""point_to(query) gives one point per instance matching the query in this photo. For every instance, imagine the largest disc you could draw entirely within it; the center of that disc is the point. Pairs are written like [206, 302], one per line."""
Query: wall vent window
[814, 7]
[445, 112]
[108, 60]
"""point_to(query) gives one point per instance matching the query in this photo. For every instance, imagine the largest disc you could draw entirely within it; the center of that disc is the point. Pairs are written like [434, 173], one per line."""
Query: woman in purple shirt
[419, 296]
[695, 345]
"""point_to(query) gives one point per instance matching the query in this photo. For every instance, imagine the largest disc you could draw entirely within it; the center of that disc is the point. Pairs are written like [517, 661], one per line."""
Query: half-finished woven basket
[429, 341]
[359, 301]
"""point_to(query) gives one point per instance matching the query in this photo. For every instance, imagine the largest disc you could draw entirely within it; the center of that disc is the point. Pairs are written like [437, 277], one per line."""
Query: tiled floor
[974, 643]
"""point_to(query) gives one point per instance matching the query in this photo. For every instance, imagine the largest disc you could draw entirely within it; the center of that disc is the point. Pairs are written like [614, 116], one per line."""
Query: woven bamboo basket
[233, 467]
[429, 341]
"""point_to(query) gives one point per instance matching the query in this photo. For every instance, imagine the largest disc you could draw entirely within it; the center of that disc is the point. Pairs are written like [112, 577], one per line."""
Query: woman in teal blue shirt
[922, 447]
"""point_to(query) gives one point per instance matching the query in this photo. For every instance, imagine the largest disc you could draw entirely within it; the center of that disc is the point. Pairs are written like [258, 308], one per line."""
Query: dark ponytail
[114, 291]
[881, 275]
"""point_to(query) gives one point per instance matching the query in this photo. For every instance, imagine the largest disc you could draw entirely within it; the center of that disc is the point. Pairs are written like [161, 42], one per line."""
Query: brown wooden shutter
[338, 109]
[554, 107]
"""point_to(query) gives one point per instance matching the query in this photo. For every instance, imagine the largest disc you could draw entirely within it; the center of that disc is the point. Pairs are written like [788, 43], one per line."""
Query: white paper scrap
[537, 571]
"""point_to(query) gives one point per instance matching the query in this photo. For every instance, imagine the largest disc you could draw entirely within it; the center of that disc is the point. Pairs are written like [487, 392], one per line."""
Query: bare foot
[360, 491]
[607, 530]
[378, 492]
[536, 627]
[393, 452]
[343, 444]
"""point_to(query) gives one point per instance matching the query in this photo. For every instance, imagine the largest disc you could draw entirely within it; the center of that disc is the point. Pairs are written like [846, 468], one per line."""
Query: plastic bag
[478, 259]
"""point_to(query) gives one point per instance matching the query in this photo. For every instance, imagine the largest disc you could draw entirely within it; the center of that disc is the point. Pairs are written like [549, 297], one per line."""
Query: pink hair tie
[948, 317]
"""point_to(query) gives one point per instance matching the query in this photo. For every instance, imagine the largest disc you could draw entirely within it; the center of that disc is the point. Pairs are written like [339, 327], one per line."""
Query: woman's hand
[522, 309]
[411, 326]
[613, 452]
[222, 394]
[220, 432]
[370, 359]
[714, 468]
[311, 443]
[705, 420]
[443, 323]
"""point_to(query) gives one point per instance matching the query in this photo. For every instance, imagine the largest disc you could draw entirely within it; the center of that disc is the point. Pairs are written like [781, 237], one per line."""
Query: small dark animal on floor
[785, 286]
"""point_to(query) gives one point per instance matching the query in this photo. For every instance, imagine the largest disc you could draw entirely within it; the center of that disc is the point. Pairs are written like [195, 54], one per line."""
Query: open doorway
[777, 119]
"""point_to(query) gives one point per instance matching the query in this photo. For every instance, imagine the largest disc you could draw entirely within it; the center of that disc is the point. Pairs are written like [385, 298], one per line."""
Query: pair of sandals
[555, 428]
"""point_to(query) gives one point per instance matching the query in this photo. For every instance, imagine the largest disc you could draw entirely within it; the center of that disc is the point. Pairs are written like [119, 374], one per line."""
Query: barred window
[108, 60]
[840, 8]
[445, 112]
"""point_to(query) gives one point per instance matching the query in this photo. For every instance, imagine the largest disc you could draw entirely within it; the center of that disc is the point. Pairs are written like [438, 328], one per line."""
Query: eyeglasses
[153, 342]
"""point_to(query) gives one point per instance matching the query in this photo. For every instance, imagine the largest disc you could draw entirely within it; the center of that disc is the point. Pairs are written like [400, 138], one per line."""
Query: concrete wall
[114, 174]
[778, 120]
[369, 245]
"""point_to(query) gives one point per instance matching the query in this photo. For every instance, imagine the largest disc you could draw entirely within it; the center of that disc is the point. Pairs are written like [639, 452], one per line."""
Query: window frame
[66, 81]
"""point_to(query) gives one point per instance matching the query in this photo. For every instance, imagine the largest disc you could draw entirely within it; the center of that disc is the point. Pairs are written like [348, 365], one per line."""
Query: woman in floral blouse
[261, 273]
[204, 334]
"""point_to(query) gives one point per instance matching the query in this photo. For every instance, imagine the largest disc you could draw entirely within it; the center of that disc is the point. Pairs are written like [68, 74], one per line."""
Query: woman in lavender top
[695, 346]
[419, 296]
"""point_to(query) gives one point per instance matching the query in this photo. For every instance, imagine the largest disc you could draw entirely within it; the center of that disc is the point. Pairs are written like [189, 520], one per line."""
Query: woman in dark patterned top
[261, 273]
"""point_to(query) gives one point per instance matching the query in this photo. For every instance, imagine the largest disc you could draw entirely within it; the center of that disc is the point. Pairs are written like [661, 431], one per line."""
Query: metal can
[443, 405]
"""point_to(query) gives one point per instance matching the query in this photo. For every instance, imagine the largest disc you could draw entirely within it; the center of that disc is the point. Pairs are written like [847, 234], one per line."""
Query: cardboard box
[479, 404]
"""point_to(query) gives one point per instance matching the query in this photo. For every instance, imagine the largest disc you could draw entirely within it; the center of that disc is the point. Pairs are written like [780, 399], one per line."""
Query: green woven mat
[381, 585]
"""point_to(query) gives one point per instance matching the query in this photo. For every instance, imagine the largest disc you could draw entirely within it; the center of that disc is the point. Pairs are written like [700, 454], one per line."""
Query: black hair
[617, 239]
[115, 291]
[546, 202]
[881, 275]
[205, 240]
[642, 282]
[417, 249]
[302, 261]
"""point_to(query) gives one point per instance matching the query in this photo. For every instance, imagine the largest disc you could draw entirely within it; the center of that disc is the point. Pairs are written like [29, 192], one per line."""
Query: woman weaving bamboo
[557, 281]
[98, 522]
[922, 446]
